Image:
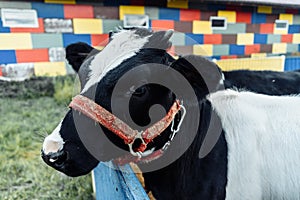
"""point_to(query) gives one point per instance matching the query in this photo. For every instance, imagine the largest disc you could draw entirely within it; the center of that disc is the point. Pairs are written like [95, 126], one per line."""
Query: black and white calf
[229, 169]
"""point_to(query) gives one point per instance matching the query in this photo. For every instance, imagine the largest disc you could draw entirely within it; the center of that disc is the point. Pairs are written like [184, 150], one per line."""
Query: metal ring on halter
[180, 122]
[138, 136]
[177, 129]
[138, 153]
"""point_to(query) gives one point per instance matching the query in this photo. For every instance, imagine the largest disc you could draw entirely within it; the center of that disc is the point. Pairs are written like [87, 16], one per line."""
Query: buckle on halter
[141, 149]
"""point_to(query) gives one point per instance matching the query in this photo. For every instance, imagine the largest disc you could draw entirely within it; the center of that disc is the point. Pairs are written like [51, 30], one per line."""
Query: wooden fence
[117, 183]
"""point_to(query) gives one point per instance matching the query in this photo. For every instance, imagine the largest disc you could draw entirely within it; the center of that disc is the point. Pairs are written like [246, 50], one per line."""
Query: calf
[92, 131]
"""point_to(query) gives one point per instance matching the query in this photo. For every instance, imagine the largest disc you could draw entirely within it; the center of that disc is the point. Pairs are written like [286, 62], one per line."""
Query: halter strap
[99, 114]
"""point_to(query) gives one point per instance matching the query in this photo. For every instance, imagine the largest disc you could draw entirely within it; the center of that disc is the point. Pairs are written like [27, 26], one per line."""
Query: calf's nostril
[57, 158]
[53, 159]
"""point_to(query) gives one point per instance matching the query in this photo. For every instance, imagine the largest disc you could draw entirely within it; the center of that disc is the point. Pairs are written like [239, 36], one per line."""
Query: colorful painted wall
[250, 31]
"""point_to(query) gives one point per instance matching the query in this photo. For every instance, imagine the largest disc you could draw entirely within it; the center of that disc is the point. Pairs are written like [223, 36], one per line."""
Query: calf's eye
[140, 92]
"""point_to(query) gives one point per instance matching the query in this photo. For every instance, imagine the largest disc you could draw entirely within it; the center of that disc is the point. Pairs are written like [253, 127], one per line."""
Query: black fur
[76, 54]
[265, 82]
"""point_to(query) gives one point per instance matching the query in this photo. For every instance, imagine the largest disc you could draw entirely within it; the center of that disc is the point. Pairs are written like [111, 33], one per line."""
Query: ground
[23, 126]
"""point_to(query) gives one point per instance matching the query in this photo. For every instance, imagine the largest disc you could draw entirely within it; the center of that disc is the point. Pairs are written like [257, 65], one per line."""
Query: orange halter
[121, 129]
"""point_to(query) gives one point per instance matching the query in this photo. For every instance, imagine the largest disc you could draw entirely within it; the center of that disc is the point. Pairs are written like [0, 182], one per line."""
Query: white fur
[263, 138]
[53, 142]
[222, 79]
[124, 45]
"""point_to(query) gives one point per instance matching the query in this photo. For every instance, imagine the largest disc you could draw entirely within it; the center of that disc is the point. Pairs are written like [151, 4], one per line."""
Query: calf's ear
[159, 40]
[204, 75]
[76, 53]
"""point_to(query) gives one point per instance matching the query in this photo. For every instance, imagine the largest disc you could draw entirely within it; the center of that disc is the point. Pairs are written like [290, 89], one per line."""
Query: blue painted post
[292, 63]
[117, 182]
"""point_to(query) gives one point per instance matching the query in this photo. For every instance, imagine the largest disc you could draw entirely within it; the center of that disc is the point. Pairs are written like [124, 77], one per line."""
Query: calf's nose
[56, 159]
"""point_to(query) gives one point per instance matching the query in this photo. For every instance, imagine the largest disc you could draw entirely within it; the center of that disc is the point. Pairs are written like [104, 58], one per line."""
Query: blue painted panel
[260, 38]
[236, 49]
[278, 10]
[170, 14]
[115, 2]
[258, 18]
[291, 63]
[192, 39]
[216, 7]
[7, 56]
[114, 182]
[294, 28]
[48, 10]
[69, 38]
[3, 29]
[215, 57]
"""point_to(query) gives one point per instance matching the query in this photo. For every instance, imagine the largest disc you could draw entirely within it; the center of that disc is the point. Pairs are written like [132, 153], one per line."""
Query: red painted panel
[99, 40]
[32, 55]
[162, 24]
[229, 57]
[288, 38]
[212, 39]
[78, 11]
[189, 15]
[172, 51]
[249, 49]
[243, 17]
[292, 11]
[266, 28]
[40, 29]
[137, 2]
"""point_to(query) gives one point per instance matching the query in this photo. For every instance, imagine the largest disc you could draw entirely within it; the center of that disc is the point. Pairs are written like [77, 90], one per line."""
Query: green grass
[23, 175]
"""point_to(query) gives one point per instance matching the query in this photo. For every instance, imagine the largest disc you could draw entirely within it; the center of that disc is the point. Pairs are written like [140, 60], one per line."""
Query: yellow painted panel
[178, 4]
[61, 1]
[279, 31]
[288, 17]
[132, 10]
[202, 27]
[230, 15]
[203, 50]
[87, 26]
[245, 38]
[100, 48]
[296, 38]
[258, 55]
[268, 63]
[15, 41]
[279, 48]
[50, 68]
[264, 9]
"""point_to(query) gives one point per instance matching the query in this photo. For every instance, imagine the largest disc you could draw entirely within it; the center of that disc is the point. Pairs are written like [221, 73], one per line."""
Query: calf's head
[64, 148]
[120, 79]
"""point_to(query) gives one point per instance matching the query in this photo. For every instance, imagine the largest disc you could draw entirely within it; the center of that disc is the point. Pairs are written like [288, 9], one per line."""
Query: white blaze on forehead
[124, 45]
[53, 142]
